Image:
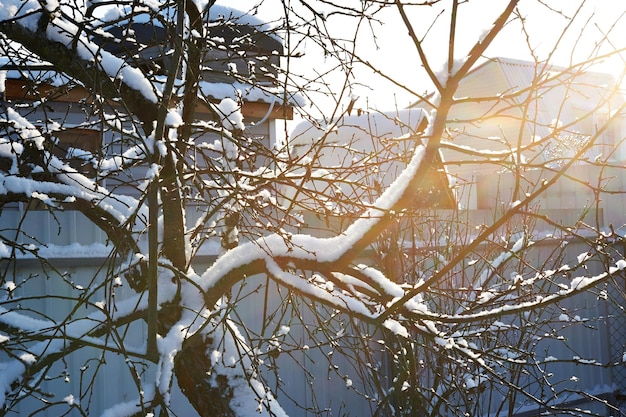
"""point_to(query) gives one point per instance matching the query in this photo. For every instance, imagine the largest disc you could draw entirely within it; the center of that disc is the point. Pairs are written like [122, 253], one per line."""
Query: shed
[504, 104]
[351, 160]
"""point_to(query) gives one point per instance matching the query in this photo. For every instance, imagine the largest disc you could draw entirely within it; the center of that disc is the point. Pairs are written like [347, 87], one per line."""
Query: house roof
[519, 74]
[522, 101]
[230, 27]
[141, 33]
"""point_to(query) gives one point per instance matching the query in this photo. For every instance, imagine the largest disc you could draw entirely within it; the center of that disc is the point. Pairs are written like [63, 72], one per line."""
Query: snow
[485, 297]
[582, 282]
[619, 266]
[231, 114]
[168, 348]
[321, 292]
[71, 183]
[250, 93]
[284, 330]
[445, 343]
[494, 155]
[584, 257]
[66, 33]
[381, 280]
[130, 408]
[396, 328]
[28, 358]
[173, 118]
[470, 381]
[223, 10]
[5, 252]
[250, 396]
[70, 400]
[443, 75]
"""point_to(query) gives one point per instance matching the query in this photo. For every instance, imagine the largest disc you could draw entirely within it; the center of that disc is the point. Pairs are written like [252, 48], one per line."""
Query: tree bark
[209, 394]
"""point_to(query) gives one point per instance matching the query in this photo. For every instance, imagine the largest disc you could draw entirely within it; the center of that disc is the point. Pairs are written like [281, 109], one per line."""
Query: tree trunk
[208, 393]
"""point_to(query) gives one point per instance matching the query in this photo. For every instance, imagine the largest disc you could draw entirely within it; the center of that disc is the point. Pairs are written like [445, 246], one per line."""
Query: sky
[393, 52]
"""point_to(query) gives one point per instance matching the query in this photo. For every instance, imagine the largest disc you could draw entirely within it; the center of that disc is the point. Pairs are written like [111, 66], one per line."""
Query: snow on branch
[309, 248]
[577, 285]
[56, 37]
[68, 34]
[69, 183]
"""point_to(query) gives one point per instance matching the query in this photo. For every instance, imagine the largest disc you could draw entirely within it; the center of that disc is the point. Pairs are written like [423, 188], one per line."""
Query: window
[76, 146]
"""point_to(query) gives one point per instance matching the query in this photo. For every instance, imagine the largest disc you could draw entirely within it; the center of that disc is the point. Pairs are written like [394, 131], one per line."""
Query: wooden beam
[26, 90]
[18, 89]
[256, 109]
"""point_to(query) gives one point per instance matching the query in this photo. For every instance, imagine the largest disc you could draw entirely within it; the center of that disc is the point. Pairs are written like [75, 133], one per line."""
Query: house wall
[78, 256]
[307, 382]
[577, 330]
[572, 194]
